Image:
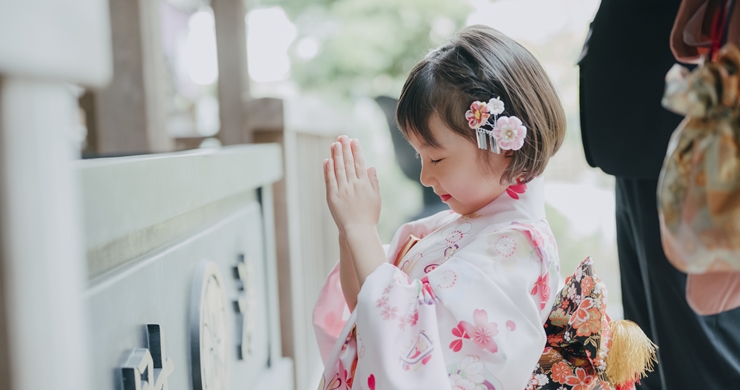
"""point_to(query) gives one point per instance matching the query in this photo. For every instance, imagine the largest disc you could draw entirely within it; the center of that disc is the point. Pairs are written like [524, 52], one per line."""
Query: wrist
[357, 230]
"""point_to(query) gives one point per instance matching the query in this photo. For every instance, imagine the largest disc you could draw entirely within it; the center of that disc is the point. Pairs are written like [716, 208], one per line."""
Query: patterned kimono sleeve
[474, 322]
[330, 313]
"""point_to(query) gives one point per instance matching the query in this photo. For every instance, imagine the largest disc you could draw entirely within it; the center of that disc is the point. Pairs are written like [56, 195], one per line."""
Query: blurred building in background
[160, 168]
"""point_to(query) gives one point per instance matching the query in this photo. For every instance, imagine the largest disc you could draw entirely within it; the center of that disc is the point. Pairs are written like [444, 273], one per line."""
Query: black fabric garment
[625, 130]
[695, 352]
[625, 133]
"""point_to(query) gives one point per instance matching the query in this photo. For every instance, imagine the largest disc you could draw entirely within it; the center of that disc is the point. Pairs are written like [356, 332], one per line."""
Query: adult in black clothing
[625, 133]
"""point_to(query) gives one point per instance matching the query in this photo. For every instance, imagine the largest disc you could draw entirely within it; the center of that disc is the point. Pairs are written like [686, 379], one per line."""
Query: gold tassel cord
[632, 353]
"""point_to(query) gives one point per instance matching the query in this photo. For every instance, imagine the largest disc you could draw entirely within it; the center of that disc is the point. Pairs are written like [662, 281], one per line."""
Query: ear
[509, 153]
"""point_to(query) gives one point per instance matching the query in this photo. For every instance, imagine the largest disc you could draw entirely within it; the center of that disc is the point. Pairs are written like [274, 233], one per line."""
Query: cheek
[468, 185]
[479, 186]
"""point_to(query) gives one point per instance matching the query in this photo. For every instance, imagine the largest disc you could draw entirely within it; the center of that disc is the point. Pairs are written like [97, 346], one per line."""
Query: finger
[349, 159]
[324, 167]
[373, 175]
[329, 178]
[359, 159]
[338, 164]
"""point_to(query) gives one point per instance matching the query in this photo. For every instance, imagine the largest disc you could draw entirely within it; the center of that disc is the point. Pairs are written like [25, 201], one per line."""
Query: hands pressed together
[352, 189]
[353, 196]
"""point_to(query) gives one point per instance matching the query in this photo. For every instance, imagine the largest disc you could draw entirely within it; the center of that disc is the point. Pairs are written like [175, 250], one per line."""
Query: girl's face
[455, 172]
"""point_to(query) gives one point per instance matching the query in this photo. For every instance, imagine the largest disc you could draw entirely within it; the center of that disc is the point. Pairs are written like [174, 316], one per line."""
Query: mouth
[445, 197]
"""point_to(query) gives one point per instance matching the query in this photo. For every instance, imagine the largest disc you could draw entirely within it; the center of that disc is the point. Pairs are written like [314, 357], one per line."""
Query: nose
[426, 178]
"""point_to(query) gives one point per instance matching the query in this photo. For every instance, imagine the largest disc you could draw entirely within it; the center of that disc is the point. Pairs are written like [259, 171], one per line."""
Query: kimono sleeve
[330, 313]
[470, 323]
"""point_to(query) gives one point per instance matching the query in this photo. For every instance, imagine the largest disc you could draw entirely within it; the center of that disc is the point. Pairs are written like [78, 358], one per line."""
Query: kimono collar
[519, 203]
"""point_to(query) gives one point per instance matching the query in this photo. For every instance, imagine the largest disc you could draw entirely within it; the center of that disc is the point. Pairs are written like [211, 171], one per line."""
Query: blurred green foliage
[366, 47]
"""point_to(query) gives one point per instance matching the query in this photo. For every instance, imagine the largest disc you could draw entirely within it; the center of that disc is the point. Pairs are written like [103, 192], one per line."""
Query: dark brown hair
[479, 63]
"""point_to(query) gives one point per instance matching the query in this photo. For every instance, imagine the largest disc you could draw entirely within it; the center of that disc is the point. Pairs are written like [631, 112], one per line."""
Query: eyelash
[435, 162]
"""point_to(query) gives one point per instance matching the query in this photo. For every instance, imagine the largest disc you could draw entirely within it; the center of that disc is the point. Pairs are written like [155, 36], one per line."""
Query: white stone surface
[41, 256]
[62, 40]
[280, 377]
[157, 290]
[127, 194]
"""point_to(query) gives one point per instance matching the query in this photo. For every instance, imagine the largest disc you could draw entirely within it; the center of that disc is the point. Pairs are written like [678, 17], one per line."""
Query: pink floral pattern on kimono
[482, 332]
[467, 313]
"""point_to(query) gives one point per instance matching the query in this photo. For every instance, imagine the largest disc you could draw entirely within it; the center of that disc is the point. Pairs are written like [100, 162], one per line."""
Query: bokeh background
[348, 52]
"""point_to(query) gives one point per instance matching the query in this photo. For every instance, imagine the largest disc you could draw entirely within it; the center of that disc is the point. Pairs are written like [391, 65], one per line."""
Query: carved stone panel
[193, 300]
[209, 343]
[245, 305]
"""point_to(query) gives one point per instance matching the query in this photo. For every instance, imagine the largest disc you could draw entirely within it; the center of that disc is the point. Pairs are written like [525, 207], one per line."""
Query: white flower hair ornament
[504, 133]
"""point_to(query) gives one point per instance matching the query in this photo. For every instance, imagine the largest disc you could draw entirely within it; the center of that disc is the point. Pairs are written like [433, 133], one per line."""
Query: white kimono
[463, 309]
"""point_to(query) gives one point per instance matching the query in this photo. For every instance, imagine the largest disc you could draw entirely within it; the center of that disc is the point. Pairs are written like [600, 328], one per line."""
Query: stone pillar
[130, 115]
[42, 259]
[43, 335]
[233, 75]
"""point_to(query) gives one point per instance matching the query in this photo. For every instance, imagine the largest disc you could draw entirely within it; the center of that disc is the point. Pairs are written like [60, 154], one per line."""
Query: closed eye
[418, 156]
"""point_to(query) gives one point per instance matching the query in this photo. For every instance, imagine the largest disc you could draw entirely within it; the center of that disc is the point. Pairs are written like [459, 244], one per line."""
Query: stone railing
[182, 245]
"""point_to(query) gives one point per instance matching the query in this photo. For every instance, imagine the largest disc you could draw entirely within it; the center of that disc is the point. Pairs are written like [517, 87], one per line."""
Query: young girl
[459, 299]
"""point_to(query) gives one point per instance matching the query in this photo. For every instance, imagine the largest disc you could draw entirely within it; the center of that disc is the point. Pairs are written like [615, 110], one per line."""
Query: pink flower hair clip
[503, 133]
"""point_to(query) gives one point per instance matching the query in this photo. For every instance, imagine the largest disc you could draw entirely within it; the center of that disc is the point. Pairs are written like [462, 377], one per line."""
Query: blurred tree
[365, 47]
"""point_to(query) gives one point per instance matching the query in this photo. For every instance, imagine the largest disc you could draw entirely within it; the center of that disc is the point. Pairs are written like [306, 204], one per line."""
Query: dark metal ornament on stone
[244, 307]
[148, 368]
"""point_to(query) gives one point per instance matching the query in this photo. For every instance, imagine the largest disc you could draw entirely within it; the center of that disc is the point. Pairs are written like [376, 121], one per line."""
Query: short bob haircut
[479, 63]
